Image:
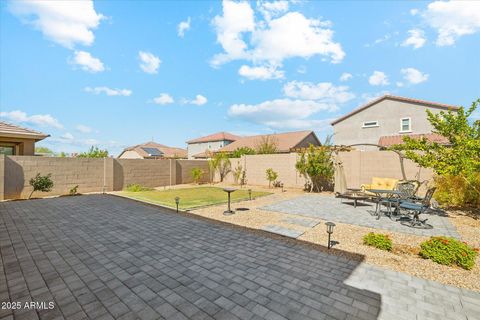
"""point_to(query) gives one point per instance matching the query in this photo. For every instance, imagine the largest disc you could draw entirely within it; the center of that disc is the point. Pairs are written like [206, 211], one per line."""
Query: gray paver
[103, 257]
[282, 231]
[332, 209]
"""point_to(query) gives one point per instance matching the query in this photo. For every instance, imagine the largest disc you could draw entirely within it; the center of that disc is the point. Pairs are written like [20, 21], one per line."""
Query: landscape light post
[330, 226]
[177, 201]
[250, 194]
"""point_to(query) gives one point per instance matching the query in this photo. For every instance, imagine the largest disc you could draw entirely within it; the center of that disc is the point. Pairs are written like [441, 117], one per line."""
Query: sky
[119, 73]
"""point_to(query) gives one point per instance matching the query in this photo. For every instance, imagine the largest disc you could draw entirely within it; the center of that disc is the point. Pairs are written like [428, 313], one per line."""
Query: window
[405, 125]
[370, 124]
[7, 150]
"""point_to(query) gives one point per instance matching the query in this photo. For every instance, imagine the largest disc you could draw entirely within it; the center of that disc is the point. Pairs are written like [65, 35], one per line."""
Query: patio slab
[104, 257]
[332, 209]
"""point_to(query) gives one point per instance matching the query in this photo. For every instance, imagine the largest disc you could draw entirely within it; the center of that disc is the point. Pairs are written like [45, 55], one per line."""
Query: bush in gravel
[448, 251]
[136, 188]
[377, 240]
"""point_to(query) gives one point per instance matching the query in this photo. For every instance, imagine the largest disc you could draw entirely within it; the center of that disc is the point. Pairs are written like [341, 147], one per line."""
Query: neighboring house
[19, 141]
[200, 147]
[285, 142]
[386, 119]
[152, 150]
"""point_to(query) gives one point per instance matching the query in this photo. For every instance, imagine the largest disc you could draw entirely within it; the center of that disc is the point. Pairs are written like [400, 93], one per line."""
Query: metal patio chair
[415, 209]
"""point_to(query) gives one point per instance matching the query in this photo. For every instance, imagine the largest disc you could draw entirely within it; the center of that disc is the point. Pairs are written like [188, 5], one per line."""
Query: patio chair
[407, 190]
[416, 209]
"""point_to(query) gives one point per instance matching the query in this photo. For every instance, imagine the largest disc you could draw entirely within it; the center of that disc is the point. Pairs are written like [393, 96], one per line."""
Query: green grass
[191, 197]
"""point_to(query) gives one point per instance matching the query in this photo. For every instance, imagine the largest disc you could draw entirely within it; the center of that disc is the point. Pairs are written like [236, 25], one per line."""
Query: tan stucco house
[285, 142]
[18, 141]
[152, 150]
[199, 148]
[384, 121]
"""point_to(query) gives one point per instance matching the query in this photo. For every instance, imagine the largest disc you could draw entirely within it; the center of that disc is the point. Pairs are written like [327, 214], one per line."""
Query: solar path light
[330, 226]
[177, 201]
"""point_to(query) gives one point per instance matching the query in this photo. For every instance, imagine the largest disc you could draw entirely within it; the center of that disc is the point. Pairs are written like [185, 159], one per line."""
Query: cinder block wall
[66, 173]
[361, 166]
[91, 175]
[257, 165]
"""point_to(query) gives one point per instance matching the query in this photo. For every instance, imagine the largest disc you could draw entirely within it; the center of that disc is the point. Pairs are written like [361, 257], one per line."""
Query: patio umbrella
[340, 180]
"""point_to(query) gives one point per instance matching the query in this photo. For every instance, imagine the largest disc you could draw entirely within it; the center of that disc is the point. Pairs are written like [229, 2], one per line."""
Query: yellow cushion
[381, 183]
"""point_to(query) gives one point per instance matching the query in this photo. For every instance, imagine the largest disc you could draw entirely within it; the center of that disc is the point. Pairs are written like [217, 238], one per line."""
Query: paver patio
[332, 209]
[103, 257]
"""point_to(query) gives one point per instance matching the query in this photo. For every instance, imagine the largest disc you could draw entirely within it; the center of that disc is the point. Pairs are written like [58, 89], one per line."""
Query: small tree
[94, 152]
[197, 175]
[267, 145]
[271, 176]
[44, 150]
[41, 183]
[237, 153]
[316, 165]
[220, 163]
[460, 157]
[239, 174]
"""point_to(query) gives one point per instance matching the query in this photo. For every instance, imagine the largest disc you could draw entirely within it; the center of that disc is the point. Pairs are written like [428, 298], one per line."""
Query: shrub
[197, 175]
[458, 191]
[41, 183]
[316, 165]
[378, 240]
[220, 163]
[239, 174]
[73, 191]
[134, 187]
[271, 176]
[448, 251]
[94, 152]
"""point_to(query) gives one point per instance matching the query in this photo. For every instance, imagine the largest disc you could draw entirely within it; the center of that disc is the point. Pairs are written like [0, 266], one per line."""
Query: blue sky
[118, 73]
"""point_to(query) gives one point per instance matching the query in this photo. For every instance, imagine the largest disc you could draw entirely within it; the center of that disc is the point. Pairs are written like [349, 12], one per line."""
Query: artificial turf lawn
[192, 197]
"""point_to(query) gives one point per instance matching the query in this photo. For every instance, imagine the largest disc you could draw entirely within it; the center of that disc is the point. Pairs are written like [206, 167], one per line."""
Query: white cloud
[150, 62]
[346, 76]
[65, 22]
[271, 41]
[43, 120]
[109, 91]
[87, 62]
[199, 100]
[367, 97]
[183, 27]
[399, 84]
[260, 73]
[414, 12]
[83, 129]
[413, 75]
[416, 39]
[302, 69]
[324, 91]
[453, 19]
[378, 78]
[272, 9]
[281, 113]
[163, 98]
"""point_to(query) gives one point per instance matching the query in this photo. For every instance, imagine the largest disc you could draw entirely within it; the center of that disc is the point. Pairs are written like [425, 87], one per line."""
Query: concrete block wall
[91, 175]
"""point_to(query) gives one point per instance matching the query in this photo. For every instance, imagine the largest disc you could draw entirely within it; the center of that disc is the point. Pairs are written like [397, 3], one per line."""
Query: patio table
[385, 194]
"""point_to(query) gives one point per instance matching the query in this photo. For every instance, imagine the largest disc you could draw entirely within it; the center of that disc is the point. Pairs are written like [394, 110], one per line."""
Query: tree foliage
[219, 162]
[458, 159]
[43, 150]
[316, 165]
[94, 152]
[41, 183]
[271, 176]
[237, 153]
[267, 145]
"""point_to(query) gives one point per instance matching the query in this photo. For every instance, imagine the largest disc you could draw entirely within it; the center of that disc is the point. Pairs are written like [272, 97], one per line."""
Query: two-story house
[200, 147]
[384, 121]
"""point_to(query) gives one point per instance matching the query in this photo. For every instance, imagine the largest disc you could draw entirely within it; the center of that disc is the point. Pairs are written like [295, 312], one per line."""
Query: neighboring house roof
[152, 150]
[201, 155]
[396, 98]
[285, 141]
[219, 136]
[387, 141]
[14, 131]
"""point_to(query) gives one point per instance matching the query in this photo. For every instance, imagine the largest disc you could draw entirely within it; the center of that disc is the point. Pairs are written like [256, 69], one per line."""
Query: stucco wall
[92, 175]
[388, 114]
[23, 147]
